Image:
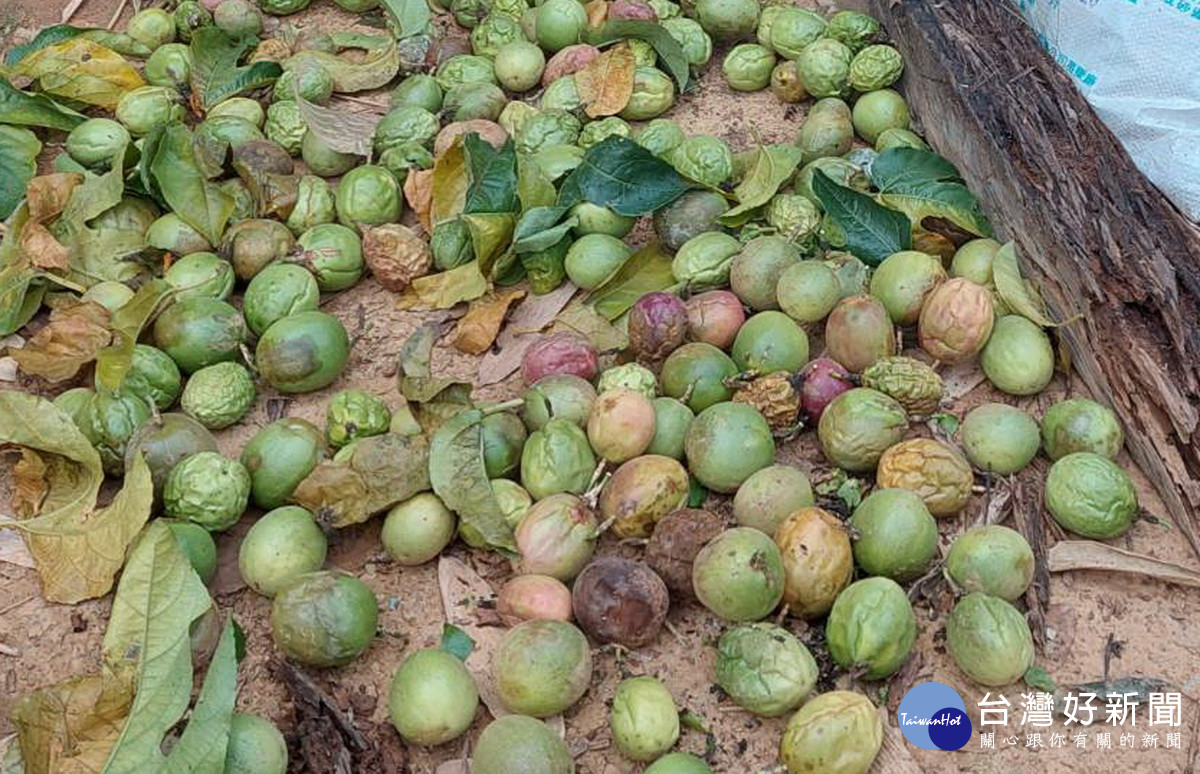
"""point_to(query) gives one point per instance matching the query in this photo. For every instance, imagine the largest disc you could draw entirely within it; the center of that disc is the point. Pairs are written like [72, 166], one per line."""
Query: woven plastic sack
[1138, 63]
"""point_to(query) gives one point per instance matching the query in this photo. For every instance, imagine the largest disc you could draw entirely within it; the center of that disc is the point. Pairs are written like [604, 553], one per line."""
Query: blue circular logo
[933, 717]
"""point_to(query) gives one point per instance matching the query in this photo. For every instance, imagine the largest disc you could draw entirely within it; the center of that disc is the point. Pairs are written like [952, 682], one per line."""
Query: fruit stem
[496, 408]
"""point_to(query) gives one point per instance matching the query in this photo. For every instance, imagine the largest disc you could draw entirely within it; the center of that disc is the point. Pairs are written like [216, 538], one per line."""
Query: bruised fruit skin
[817, 560]
[715, 317]
[542, 668]
[871, 627]
[858, 332]
[1081, 425]
[989, 640]
[324, 619]
[658, 325]
[739, 575]
[620, 600]
[770, 495]
[858, 426]
[934, 471]
[998, 438]
[559, 353]
[433, 698]
[533, 598]
[894, 535]
[642, 491]
[676, 541]
[838, 732]
[1091, 496]
[644, 718]
[302, 352]
[621, 424]
[519, 743]
[765, 669]
[992, 559]
[956, 320]
[556, 537]
[726, 443]
[823, 380]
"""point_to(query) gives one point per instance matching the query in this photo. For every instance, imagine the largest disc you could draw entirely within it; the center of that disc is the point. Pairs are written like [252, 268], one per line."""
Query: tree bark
[1094, 235]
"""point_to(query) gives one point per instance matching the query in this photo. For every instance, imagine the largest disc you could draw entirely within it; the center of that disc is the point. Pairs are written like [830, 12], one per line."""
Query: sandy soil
[1157, 625]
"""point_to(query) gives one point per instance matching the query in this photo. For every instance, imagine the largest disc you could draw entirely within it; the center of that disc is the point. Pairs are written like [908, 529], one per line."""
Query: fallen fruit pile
[522, 154]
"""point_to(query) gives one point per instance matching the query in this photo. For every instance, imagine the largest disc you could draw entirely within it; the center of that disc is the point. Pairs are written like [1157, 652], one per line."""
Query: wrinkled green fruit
[838, 732]
[999, 438]
[255, 746]
[109, 422]
[739, 575]
[769, 342]
[166, 441]
[644, 718]
[992, 559]
[704, 261]
[208, 489]
[238, 19]
[219, 395]
[1018, 358]
[433, 698]
[661, 136]
[96, 141]
[279, 457]
[199, 331]
[825, 68]
[557, 458]
[726, 443]
[671, 422]
[698, 371]
[152, 27]
[755, 271]
[859, 426]
[747, 67]
[704, 158]
[1091, 496]
[546, 129]
[542, 668]
[197, 545]
[515, 744]
[416, 530]
[630, 376]
[281, 546]
[146, 108]
[302, 352]
[989, 640]
[765, 669]
[324, 619]
[913, 384]
[853, 28]
[895, 536]
[368, 196]
[313, 81]
[770, 495]
[871, 628]
[653, 95]
[792, 30]
[875, 67]
[558, 396]
[354, 414]
[1081, 425]
[333, 253]
[277, 291]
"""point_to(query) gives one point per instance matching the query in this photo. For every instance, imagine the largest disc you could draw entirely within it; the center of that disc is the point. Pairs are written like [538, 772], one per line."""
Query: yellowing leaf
[450, 183]
[606, 84]
[70, 727]
[69, 341]
[478, 328]
[29, 484]
[376, 69]
[418, 192]
[1006, 273]
[44, 251]
[81, 70]
[597, 12]
[444, 290]
[582, 319]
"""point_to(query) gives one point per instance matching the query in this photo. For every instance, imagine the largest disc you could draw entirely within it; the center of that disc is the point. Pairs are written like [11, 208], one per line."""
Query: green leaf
[647, 270]
[850, 493]
[200, 203]
[97, 255]
[493, 174]
[946, 423]
[697, 494]
[412, 17]
[456, 642]
[158, 598]
[534, 188]
[19, 149]
[459, 477]
[625, 177]
[1037, 677]
[20, 297]
[770, 166]
[202, 745]
[1006, 273]
[127, 323]
[922, 185]
[670, 53]
[216, 75]
[547, 268]
[873, 232]
[540, 228]
[23, 108]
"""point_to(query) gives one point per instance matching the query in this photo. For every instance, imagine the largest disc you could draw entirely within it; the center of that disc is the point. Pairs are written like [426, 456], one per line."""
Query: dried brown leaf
[597, 12]
[478, 328]
[1087, 555]
[606, 84]
[462, 592]
[71, 339]
[47, 195]
[29, 484]
[582, 318]
[530, 318]
[44, 251]
[418, 191]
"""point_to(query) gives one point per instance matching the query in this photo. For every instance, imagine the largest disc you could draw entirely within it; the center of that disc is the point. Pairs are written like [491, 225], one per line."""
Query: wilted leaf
[127, 324]
[200, 203]
[337, 126]
[216, 74]
[769, 167]
[274, 192]
[19, 149]
[459, 478]
[376, 69]
[418, 192]
[625, 177]
[670, 53]
[334, 493]
[477, 330]
[451, 179]
[581, 318]
[1037, 677]
[531, 317]
[444, 290]
[534, 188]
[25, 109]
[541, 227]
[415, 379]
[158, 598]
[47, 195]
[648, 270]
[922, 184]
[71, 727]
[1006, 273]
[83, 71]
[873, 232]
[606, 83]
[44, 250]
[490, 234]
[395, 467]
[68, 342]
[493, 175]
[29, 484]
[202, 745]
